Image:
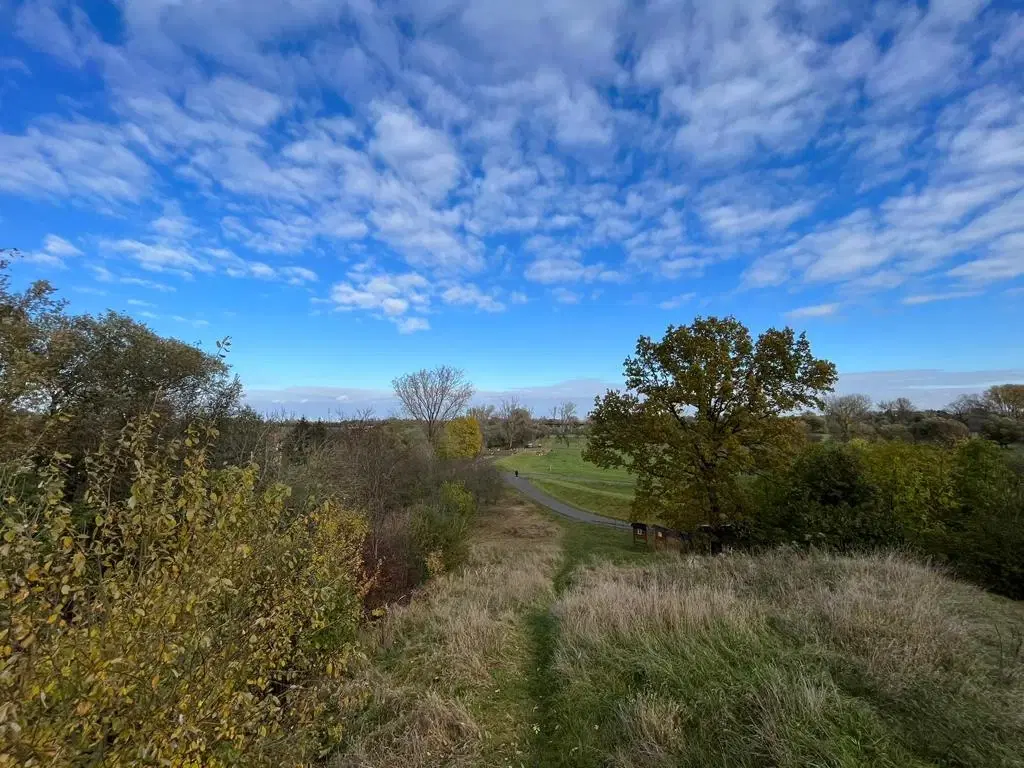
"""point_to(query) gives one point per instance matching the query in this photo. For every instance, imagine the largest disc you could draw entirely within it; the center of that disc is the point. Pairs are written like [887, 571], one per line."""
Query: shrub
[961, 504]
[441, 528]
[305, 438]
[827, 499]
[481, 478]
[983, 538]
[936, 429]
[191, 621]
[1002, 430]
[895, 433]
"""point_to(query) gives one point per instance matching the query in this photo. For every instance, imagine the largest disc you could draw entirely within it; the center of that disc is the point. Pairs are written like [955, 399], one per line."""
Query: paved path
[531, 491]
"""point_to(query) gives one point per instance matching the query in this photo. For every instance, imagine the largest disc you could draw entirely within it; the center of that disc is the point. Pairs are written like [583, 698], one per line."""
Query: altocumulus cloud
[483, 152]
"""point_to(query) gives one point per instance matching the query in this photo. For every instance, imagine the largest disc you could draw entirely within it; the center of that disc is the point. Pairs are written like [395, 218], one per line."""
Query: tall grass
[785, 660]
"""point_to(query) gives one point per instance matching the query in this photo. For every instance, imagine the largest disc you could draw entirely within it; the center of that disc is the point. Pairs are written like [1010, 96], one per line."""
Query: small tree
[842, 412]
[965, 406]
[704, 405]
[462, 438]
[433, 397]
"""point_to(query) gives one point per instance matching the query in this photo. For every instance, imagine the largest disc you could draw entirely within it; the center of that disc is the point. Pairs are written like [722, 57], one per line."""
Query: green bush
[983, 537]
[827, 499]
[961, 504]
[1002, 430]
[441, 529]
[935, 429]
[190, 621]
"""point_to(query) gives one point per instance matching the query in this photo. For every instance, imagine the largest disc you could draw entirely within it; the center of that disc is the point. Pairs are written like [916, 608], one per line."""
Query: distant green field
[559, 470]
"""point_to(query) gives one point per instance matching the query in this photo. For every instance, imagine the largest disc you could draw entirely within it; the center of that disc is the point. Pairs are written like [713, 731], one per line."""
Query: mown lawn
[559, 470]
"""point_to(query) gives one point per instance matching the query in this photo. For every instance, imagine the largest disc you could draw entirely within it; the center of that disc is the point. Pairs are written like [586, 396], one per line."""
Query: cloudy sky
[355, 189]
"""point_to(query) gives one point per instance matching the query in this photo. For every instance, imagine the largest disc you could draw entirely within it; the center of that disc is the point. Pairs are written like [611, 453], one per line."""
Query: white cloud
[11, 64]
[990, 269]
[231, 98]
[677, 301]
[928, 298]
[816, 310]
[160, 258]
[385, 295]
[415, 151]
[413, 324]
[144, 283]
[173, 223]
[470, 294]
[53, 252]
[565, 296]
[76, 159]
[235, 266]
[575, 142]
[730, 221]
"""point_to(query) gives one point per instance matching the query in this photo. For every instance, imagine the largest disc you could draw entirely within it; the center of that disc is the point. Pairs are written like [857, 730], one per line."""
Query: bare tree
[433, 397]
[898, 411]
[514, 420]
[482, 413]
[843, 411]
[564, 416]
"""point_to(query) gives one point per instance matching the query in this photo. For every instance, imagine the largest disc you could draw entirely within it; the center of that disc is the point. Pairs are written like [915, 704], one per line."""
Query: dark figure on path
[517, 473]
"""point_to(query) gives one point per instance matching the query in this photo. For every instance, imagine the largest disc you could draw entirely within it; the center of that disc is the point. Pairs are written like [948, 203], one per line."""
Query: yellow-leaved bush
[174, 615]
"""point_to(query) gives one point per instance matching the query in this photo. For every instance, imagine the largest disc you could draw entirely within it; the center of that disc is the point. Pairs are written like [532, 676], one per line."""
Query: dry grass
[783, 659]
[445, 680]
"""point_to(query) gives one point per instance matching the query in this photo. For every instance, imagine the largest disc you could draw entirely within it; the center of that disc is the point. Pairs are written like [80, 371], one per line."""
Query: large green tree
[69, 381]
[703, 406]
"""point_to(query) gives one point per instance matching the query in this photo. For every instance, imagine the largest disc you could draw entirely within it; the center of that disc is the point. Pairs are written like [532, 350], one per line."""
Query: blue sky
[353, 190]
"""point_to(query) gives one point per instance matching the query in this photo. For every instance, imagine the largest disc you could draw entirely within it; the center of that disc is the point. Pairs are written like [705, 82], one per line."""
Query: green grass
[560, 471]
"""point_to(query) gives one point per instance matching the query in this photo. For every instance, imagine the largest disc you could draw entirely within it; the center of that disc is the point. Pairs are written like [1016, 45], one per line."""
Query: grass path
[446, 681]
[462, 675]
[582, 545]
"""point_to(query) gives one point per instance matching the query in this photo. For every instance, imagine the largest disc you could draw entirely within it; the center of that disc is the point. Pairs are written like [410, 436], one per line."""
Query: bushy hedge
[961, 504]
[193, 620]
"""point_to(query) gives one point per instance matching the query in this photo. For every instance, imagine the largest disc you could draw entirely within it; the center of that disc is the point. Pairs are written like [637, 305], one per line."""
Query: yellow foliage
[462, 438]
[189, 620]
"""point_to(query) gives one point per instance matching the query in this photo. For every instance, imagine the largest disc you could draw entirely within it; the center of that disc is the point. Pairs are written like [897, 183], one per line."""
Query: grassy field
[563, 645]
[559, 470]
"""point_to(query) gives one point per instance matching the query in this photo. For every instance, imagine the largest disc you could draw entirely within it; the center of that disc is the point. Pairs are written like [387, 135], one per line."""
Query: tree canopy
[88, 375]
[702, 406]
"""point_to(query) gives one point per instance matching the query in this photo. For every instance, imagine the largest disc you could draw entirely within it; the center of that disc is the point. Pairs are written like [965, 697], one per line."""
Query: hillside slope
[561, 645]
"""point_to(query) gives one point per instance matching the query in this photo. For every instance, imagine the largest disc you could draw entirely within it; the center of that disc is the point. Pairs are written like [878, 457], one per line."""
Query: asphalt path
[528, 489]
